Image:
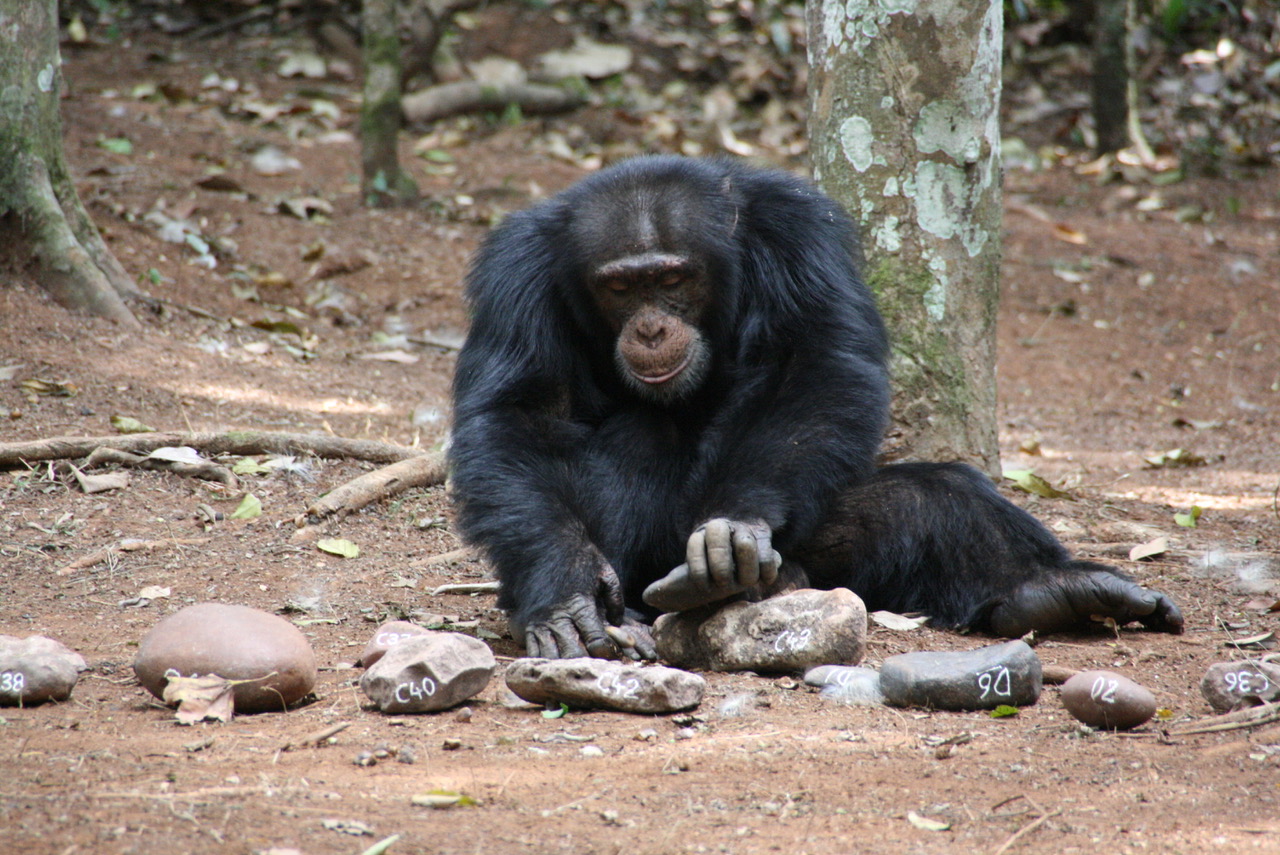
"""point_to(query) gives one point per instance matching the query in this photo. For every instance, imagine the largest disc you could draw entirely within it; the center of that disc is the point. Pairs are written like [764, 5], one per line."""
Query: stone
[1001, 674]
[848, 685]
[1105, 699]
[387, 635]
[236, 643]
[785, 634]
[1229, 686]
[429, 672]
[604, 684]
[36, 669]
[1056, 675]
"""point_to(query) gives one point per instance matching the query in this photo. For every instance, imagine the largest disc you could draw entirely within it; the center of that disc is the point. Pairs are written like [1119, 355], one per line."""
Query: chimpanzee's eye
[668, 280]
[617, 286]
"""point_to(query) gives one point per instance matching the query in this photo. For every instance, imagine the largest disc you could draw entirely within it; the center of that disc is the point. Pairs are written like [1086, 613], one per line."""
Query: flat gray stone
[36, 669]
[847, 684]
[784, 634]
[1231, 685]
[982, 679]
[429, 672]
[236, 643]
[604, 684]
[387, 636]
[1105, 699]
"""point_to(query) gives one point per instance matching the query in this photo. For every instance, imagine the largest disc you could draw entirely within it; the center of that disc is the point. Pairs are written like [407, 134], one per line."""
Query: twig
[1026, 829]
[467, 588]
[1238, 720]
[206, 470]
[317, 737]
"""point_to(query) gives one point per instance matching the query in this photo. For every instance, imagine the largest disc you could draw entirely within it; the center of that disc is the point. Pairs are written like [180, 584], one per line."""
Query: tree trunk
[905, 132]
[383, 184]
[40, 210]
[1110, 76]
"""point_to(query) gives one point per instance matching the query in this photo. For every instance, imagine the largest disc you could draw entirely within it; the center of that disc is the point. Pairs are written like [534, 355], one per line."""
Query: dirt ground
[1136, 320]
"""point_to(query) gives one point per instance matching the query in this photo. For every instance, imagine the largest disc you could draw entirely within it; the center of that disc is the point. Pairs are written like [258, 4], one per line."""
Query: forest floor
[1135, 320]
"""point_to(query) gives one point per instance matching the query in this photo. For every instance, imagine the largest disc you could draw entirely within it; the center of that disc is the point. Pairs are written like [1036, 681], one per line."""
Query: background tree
[40, 211]
[904, 130]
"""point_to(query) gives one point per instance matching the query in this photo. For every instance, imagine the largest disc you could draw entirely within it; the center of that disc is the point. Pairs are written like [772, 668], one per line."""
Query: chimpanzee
[676, 360]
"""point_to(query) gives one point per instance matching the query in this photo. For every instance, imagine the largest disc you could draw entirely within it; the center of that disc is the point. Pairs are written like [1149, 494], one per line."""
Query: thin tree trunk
[905, 132]
[39, 207]
[383, 184]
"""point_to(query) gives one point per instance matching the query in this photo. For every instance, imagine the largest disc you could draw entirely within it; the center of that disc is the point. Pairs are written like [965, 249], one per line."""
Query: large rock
[1107, 700]
[605, 684]
[982, 679]
[789, 633]
[389, 635]
[1231, 685]
[36, 669]
[429, 672]
[233, 642]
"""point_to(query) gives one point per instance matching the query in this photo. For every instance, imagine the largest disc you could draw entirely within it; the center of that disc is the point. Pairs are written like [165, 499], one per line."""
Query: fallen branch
[470, 96]
[207, 471]
[129, 544]
[424, 470]
[1248, 717]
[241, 442]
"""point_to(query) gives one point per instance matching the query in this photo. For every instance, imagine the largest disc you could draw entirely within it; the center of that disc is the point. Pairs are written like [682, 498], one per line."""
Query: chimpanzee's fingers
[769, 566]
[609, 595]
[582, 621]
[719, 538]
[696, 558]
[746, 555]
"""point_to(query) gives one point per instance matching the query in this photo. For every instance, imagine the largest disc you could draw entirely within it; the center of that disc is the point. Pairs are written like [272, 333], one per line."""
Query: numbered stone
[36, 669]
[387, 636]
[785, 634]
[1231, 685]
[1002, 674]
[848, 685]
[1105, 699]
[236, 643]
[605, 684]
[430, 672]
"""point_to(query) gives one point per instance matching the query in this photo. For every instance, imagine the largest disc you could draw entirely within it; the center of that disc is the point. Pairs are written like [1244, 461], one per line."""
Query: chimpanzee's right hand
[587, 625]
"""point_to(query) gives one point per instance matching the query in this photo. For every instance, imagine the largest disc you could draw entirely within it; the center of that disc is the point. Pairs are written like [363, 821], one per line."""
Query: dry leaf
[101, 483]
[201, 698]
[1150, 549]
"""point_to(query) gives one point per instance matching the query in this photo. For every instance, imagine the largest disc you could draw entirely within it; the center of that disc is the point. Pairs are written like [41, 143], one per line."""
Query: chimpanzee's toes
[1076, 598]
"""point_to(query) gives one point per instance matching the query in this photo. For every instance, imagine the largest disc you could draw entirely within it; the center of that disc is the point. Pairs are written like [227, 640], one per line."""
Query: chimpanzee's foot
[1071, 599]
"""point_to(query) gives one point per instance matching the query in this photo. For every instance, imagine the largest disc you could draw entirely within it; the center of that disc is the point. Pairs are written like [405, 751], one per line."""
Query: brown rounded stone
[1108, 700]
[236, 643]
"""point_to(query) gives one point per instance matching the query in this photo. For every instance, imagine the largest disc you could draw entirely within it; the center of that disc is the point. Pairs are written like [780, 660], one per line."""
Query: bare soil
[1135, 320]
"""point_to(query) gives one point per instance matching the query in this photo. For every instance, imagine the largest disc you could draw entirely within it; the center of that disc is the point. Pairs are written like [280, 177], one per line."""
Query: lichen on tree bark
[905, 133]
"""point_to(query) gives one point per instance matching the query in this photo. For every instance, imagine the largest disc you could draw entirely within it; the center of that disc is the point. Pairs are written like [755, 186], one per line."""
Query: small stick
[1027, 829]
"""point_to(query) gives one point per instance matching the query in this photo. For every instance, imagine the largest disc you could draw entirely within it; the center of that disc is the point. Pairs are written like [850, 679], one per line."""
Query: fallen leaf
[116, 145]
[381, 846]
[440, 799]
[201, 698]
[1175, 458]
[925, 824]
[1063, 232]
[249, 466]
[154, 592]
[101, 483]
[177, 454]
[250, 506]
[338, 546]
[53, 388]
[128, 424]
[1003, 711]
[1029, 481]
[892, 620]
[354, 827]
[556, 713]
[1189, 519]
[1150, 549]
[391, 356]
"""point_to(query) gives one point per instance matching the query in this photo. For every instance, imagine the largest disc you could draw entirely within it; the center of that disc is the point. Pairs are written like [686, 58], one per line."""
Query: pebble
[1105, 699]
[784, 634]
[846, 684]
[982, 679]
[235, 643]
[430, 672]
[1231, 685]
[388, 634]
[605, 684]
[36, 669]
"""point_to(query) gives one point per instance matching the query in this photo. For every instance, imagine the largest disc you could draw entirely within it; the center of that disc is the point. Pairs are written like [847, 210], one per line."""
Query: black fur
[560, 469]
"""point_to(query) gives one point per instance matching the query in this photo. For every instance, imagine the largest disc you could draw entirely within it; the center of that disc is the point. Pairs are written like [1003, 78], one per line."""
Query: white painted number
[1104, 691]
[792, 640]
[996, 681]
[1246, 682]
[415, 691]
[627, 689]
[12, 682]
